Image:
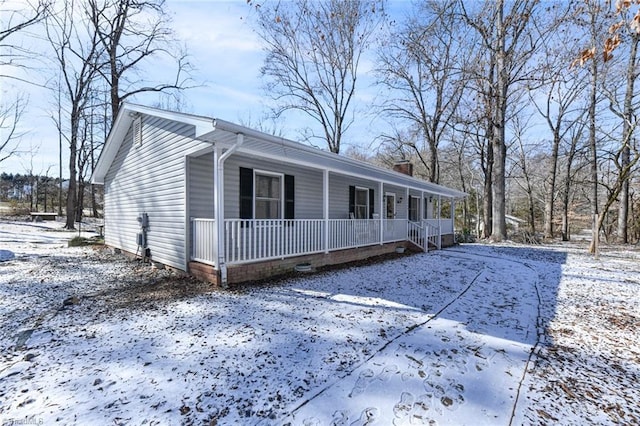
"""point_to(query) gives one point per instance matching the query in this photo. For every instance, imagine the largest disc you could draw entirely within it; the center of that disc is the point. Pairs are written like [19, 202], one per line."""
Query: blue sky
[227, 56]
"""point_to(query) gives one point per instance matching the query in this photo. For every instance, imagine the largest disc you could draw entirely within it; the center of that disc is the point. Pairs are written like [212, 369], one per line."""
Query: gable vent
[137, 131]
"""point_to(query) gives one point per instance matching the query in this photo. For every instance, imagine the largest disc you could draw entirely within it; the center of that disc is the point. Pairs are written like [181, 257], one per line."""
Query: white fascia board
[112, 145]
[203, 125]
[410, 183]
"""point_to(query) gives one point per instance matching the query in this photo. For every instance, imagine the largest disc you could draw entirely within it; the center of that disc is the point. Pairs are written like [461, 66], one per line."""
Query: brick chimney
[404, 166]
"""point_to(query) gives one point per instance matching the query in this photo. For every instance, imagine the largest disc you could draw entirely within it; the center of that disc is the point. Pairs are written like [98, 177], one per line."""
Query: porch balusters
[263, 239]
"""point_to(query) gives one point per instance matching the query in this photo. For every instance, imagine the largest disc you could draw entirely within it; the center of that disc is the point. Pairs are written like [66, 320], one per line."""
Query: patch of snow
[498, 334]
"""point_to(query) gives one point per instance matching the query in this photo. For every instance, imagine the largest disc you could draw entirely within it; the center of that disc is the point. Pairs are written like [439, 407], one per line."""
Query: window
[266, 194]
[361, 202]
[414, 203]
[361, 205]
[268, 200]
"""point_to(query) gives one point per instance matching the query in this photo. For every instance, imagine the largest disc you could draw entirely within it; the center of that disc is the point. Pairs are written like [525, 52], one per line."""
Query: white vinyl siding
[339, 194]
[308, 185]
[201, 187]
[150, 178]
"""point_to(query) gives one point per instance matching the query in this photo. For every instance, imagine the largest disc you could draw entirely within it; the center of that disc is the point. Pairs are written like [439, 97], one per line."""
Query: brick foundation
[272, 268]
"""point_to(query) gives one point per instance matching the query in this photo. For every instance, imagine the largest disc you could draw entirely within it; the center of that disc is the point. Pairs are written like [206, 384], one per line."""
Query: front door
[390, 223]
[391, 205]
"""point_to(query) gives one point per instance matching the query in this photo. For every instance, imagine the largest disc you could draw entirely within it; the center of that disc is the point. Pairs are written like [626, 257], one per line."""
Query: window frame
[281, 198]
[416, 201]
[361, 189]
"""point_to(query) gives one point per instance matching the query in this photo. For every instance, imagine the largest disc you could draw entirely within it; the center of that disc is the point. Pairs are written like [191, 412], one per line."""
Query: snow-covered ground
[476, 334]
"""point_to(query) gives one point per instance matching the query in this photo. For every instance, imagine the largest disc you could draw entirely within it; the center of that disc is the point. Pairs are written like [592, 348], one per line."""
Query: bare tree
[461, 170]
[76, 50]
[572, 152]
[313, 57]
[561, 110]
[9, 134]
[526, 178]
[504, 29]
[421, 65]
[15, 21]
[631, 27]
[594, 18]
[131, 32]
[474, 123]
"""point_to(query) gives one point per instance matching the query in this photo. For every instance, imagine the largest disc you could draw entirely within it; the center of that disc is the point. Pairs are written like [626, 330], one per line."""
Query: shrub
[81, 241]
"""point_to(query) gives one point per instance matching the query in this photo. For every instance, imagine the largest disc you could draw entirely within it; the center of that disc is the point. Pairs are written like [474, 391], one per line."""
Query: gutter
[219, 214]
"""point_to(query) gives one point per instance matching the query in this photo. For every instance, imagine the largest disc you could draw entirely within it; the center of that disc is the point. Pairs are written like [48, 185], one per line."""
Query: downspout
[382, 212]
[222, 266]
[325, 208]
[453, 218]
[439, 222]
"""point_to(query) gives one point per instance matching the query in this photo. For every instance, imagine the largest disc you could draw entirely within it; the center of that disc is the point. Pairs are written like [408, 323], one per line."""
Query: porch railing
[251, 240]
[415, 234]
[202, 241]
[433, 233]
[248, 240]
[349, 233]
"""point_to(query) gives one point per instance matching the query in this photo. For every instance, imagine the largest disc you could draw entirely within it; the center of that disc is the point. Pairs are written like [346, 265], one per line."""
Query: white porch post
[453, 215]
[407, 200]
[219, 213]
[216, 205]
[382, 207]
[439, 222]
[325, 207]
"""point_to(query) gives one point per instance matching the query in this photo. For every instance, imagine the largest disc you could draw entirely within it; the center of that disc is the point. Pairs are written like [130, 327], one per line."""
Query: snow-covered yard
[477, 334]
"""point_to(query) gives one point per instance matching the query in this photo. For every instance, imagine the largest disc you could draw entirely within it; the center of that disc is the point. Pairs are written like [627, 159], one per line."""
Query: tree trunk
[71, 191]
[593, 150]
[80, 208]
[59, 150]
[548, 205]
[487, 202]
[94, 208]
[627, 134]
[434, 175]
[499, 228]
[565, 203]
[532, 215]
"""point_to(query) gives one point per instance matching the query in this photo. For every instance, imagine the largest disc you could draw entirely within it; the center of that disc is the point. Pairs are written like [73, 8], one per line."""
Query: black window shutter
[289, 197]
[246, 193]
[371, 203]
[352, 200]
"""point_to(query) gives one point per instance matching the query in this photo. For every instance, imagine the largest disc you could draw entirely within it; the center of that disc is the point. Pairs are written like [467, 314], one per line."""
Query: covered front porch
[247, 241]
[247, 203]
